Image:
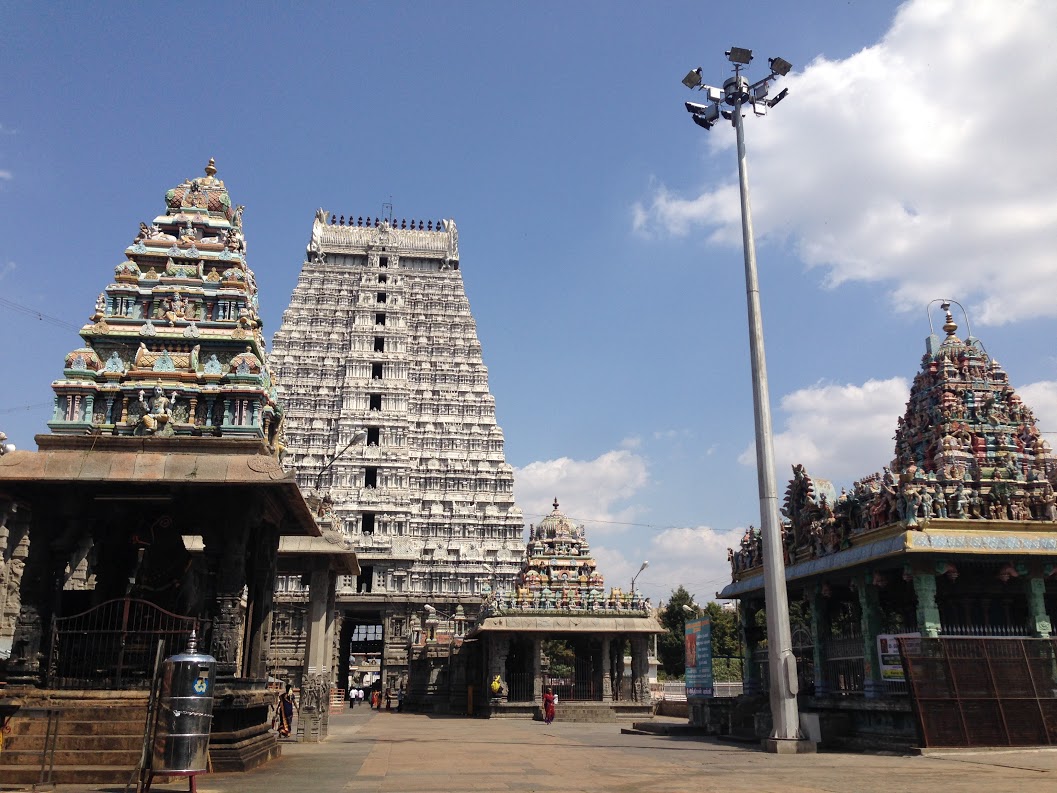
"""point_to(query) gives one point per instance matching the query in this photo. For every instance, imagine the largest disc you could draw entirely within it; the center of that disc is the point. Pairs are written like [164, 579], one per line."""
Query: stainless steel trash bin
[185, 712]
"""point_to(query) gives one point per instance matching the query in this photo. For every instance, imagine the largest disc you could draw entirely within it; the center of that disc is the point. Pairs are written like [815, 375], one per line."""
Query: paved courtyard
[393, 752]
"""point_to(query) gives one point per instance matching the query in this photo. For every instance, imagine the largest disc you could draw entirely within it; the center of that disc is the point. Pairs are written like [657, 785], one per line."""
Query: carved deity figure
[157, 411]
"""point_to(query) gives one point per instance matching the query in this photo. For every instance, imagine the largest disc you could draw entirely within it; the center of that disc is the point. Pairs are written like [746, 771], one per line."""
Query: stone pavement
[371, 752]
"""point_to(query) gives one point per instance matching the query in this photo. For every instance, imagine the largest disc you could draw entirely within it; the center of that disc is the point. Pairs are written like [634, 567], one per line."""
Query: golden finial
[211, 169]
[950, 325]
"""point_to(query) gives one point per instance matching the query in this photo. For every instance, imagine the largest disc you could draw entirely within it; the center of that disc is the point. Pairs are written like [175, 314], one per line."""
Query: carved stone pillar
[870, 608]
[261, 600]
[928, 612]
[317, 655]
[229, 559]
[537, 669]
[820, 631]
[618, 665]
[750, 635]
[29, 645]
[1039, 622]
[607, 674]
[640, 667]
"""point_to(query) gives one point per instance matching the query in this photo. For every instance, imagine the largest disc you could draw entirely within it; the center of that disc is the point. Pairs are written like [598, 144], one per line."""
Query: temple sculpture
[956, 537]
[559, 601]
[174, 346]
[157, 506]
[391, 428]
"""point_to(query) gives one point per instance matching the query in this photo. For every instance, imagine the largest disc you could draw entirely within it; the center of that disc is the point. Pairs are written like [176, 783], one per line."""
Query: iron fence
[983, 691]
[113, 644]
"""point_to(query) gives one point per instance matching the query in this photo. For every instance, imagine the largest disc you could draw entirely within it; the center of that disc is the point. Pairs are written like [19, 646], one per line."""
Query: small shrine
[955, 538]
[174, 346]
[165, 431]
[560, 602]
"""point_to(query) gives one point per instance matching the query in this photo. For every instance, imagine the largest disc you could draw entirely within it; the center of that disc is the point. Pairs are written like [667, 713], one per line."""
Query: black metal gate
[983, 692]
[113, 644]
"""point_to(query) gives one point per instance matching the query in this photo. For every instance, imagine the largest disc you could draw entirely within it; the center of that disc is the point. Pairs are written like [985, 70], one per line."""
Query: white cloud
[588, 490]
[6, 175]
[695, 558]
[1041, 397]
[838, 432]
[911, 163]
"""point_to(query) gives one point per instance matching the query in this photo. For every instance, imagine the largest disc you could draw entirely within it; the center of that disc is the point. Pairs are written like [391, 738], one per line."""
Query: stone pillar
[638, 671]
[330, 663]
[226, 550]
[928, 612]
[618, 649]
[750, 676]
[870, 620]
[820, 631]
[607, 676]
[260, 602]
[537, 669]
[316, 655]
[1039, 623]
[28, 648]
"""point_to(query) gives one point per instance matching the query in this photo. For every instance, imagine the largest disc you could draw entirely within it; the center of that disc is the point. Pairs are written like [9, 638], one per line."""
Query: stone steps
[94, 742]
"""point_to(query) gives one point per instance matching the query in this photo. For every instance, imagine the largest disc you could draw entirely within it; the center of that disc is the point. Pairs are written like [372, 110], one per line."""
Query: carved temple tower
[391, 425]
[157, 506]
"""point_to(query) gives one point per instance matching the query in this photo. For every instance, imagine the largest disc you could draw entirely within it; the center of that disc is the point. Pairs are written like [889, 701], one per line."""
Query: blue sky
[598, 226]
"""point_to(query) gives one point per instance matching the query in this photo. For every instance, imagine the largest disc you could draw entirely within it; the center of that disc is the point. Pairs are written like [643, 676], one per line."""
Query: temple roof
[175, 345]
[967, 448]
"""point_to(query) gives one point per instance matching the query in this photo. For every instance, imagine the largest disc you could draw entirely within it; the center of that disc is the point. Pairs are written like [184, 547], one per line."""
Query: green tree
[671, 644]
[726, 641]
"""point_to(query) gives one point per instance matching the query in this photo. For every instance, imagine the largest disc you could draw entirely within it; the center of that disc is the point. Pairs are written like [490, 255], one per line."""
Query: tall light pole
[736, 93]
[642, 567]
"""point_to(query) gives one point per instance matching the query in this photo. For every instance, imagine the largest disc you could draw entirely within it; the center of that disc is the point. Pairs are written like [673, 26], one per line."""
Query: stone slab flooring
[371, 752]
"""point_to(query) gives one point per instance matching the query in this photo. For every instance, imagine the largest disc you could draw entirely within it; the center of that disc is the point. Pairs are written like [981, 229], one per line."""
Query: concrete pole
[781, 662]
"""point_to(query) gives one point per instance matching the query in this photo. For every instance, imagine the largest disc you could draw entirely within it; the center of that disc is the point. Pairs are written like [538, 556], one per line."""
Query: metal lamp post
[642, 567]
[736, 93]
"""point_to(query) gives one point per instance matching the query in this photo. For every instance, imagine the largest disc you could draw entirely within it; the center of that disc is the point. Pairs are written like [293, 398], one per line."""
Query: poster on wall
[699, 658]
[888, 655]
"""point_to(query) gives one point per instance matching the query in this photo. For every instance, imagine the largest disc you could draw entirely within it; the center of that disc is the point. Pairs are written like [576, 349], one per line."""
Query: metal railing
[113, 644]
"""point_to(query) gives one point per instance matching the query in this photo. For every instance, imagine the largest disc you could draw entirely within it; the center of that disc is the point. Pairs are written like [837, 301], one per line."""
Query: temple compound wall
[391, 428]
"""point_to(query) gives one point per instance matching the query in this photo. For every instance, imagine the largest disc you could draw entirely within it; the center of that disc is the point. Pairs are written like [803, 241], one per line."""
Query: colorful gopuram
[560, 596]
[157, 506]
[560, 575]
[955, 538]
[174, 346]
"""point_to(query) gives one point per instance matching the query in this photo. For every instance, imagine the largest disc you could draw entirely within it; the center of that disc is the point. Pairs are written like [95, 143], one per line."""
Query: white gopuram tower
[389, 421]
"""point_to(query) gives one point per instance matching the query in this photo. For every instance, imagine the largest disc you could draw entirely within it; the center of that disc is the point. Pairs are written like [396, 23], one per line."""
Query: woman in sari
[284, 713]
[548, 706]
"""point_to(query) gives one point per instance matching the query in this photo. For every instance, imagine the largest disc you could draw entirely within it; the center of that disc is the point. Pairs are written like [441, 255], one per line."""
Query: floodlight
[704, 115]
[689, 610]
[781, 95]
[780, 66]
[693, 78]
[429, 608]
[739, 55]
[714, 94]
[759, 92]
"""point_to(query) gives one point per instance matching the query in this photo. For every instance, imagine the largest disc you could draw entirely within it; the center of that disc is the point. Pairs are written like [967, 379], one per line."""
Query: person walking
[400, 700]
[388, 699]
[359, 696]
[549, 701]
[284, 712]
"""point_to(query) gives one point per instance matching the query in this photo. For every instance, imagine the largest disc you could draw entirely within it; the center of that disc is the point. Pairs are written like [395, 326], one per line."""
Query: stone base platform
[586, 712]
